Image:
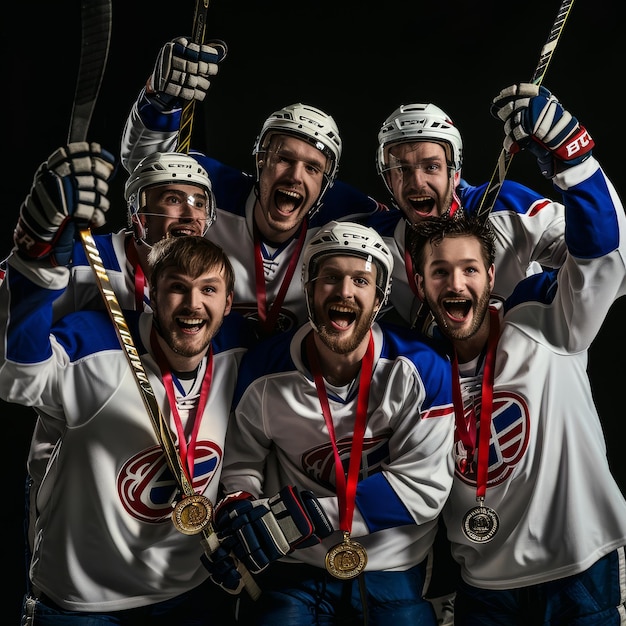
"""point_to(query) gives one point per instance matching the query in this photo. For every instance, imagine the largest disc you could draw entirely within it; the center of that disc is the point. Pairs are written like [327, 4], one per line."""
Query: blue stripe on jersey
[536, 288]
[271, 355]
[379, 504]
[429, 358]
[512, 197]
[87, 332]
[105, 250]
[591, 229]
[30, 308]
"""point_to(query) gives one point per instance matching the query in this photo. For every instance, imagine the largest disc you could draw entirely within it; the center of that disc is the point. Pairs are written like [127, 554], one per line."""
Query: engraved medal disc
[346, 560]
[192, 514]
[480, 524]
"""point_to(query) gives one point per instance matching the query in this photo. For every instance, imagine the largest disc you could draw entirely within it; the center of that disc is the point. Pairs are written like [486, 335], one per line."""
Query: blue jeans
[302, 595]
[594, 597]
[207, 605]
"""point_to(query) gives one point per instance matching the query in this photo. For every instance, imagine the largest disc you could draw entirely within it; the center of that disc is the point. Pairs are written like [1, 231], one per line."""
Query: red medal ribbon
[468, 435]
[140, 278]
[346, 492]
[187, 451]
[267, 320]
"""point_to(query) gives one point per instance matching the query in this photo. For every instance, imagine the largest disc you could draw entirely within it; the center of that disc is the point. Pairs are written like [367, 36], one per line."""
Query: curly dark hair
[434, 229]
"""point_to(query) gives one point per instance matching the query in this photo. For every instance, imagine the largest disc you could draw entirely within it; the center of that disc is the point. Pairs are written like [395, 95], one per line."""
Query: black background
[357, 61]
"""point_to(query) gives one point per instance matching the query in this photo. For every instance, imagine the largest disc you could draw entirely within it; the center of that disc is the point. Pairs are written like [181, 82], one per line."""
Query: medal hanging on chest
[194, 512]
[347, 559]
[481, 523]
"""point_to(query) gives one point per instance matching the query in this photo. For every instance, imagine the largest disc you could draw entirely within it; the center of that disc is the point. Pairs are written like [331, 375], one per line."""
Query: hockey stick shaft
[504, 160]
[183, 143]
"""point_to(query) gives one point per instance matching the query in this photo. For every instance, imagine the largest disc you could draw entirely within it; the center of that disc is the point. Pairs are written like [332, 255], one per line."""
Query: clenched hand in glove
[69, 188]
[182, 72]
[535, 120]
[258, 532]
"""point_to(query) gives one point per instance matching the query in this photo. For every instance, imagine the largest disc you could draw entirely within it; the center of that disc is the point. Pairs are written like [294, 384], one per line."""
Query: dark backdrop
[354, 60]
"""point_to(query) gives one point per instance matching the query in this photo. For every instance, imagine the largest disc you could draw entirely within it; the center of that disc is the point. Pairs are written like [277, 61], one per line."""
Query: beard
[479, 309]
[345, 345]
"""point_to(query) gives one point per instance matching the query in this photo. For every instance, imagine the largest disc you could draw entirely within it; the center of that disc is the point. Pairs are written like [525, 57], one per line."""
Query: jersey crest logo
[147, 488]
[510, 432]
[319, 463]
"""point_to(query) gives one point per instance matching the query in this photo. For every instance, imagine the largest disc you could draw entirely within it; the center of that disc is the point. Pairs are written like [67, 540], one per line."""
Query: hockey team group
[273, 399]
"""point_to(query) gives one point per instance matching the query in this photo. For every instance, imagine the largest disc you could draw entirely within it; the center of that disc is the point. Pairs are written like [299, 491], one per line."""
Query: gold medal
[347, 559]
[480, 524]
[192, 514]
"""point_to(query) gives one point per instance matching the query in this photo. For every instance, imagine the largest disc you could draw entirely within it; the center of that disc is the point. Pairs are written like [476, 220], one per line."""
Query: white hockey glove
[69, 188]
[182, 72]
[269, 528]
[535, 120]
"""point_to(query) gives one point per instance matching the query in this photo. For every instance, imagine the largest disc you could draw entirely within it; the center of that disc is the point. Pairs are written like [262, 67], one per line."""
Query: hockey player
[265, 219]
[419, 157]
[535, 518]
[360, 415]
[105, 546]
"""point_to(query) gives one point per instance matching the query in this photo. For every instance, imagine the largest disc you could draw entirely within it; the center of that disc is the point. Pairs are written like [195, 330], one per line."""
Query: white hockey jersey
[104, 539]
[549, 482]
[279, 437]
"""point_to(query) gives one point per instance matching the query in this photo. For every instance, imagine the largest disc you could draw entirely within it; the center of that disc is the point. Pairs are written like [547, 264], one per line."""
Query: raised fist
[70, 187]
[535, 120]
[182, 71]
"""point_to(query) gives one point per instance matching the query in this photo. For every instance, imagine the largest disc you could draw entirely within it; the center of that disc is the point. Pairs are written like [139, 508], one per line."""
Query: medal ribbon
[267, 320]
[187, 451]
[140, 278]
[346, 491]
[468, 436]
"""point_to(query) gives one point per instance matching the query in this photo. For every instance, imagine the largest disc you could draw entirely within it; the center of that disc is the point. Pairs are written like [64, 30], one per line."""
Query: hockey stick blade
[96, 35]
[490, 196]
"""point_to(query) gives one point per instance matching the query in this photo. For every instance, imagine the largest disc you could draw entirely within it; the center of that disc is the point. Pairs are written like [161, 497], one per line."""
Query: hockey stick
[504, 160]
[186, 117]
[96, 19]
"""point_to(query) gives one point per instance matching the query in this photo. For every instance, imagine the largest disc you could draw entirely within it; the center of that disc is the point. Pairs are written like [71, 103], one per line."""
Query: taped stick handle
[499, 174]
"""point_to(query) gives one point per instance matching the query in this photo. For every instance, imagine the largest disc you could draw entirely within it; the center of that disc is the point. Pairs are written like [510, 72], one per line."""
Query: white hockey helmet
[163, 168]
[347, 238]
[309, 124]
[419, 122]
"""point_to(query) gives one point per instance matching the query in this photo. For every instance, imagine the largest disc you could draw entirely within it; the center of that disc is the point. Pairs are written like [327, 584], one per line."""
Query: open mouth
[190, 324]
[183, 230]
[341, 317]
[287, 201]
[457, 308]
[424, 205]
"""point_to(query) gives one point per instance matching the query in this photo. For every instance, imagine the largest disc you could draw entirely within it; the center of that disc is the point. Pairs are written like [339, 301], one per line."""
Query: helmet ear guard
[347, 238]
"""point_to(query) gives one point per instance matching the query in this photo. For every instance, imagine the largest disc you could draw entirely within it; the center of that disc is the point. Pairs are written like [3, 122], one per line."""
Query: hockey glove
[222, 567]
[182, 72]
[535, 120]
[269, 528]
[70, 187]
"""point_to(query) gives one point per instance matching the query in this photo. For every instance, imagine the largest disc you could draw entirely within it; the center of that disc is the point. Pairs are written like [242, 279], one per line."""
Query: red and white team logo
[319, 463]
[510, 432]
[147, 488]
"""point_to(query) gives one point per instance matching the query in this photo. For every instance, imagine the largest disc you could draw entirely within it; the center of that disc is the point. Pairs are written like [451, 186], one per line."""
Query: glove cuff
[161, 101]
[576, 148]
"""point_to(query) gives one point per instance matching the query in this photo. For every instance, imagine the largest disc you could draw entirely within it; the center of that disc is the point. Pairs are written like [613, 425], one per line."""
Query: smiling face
[173, 210]
[420, 179]
[290, 182]
[345, 301]
[188, 312]
[456, 284]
